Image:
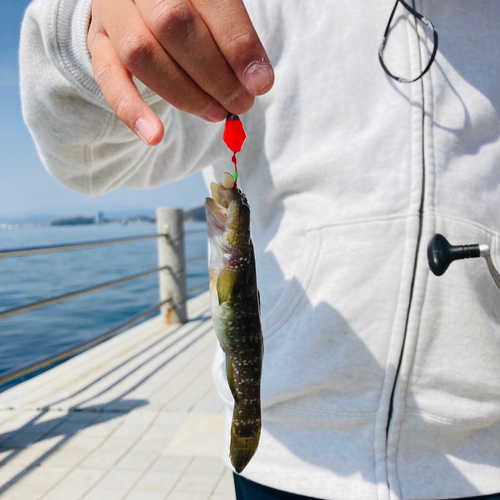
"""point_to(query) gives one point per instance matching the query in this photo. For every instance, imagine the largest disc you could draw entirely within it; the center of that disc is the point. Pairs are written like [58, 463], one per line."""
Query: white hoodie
[380, 380]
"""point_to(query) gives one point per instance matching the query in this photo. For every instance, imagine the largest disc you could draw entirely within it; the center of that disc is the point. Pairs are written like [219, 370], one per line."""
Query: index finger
[235, 35]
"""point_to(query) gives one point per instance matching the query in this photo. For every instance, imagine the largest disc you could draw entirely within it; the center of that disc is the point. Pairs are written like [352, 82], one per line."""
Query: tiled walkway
[134, 418]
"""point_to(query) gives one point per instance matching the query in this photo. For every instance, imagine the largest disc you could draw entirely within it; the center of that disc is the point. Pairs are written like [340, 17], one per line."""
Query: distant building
[100, 219]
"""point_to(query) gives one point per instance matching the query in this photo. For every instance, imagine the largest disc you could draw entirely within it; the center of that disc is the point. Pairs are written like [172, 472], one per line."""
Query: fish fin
[230, 379]
[225, 284]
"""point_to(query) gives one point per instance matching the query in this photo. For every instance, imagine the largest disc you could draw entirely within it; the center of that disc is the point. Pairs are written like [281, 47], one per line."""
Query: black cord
[423, 20]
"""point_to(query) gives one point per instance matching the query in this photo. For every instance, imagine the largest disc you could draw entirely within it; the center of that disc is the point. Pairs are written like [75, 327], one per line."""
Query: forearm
[79, 138]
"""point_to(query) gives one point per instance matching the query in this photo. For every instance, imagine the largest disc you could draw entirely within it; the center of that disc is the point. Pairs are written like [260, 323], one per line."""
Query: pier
[134, 418]
[131, 414]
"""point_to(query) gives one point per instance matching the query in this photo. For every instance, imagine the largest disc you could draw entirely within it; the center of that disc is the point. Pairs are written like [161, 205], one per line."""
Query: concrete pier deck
[134, 418]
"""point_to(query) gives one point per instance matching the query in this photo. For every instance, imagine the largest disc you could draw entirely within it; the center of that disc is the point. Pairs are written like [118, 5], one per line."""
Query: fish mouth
[222, 193]
[216, 207]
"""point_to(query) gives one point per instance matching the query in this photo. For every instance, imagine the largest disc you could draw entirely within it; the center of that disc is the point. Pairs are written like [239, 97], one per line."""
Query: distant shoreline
[194, 215]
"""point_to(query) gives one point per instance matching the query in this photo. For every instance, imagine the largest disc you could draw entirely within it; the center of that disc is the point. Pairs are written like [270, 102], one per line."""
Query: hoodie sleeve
[79, 138]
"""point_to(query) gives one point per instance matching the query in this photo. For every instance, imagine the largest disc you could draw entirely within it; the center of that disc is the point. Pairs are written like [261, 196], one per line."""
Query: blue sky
[25, 186]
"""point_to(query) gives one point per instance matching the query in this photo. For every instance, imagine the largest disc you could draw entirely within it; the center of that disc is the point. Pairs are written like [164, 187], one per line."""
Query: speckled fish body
[235, 306]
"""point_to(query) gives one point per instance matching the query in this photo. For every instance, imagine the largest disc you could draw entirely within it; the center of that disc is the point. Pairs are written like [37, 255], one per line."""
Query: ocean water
[46, 331]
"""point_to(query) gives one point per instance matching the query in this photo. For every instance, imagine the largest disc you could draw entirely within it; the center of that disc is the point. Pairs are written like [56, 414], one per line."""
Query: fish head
[228, 223]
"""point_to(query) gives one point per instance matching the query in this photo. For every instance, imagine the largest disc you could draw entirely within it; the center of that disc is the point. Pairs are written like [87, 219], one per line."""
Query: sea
[37, 334]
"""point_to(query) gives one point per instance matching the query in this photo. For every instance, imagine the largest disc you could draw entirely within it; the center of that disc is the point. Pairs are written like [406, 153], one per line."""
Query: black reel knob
[440, 254]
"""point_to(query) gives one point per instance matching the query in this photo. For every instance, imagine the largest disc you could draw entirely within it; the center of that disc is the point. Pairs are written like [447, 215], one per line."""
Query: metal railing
[72, 295]
[22, 252]
[173, 290]
[71, 351]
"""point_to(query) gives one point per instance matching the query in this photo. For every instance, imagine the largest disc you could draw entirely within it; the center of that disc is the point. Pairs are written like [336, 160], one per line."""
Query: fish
[235, 308]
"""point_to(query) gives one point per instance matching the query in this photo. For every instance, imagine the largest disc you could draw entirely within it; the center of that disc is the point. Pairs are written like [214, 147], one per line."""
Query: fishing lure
[234, 136]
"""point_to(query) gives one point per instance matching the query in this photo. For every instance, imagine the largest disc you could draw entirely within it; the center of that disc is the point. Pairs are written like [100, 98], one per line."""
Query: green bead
[236, 176]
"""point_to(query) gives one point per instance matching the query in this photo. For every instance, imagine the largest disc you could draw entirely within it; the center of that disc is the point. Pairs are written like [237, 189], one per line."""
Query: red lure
[234, 137]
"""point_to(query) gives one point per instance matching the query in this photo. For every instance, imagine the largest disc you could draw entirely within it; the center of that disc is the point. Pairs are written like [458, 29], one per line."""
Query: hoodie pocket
[328, 340]
[455, 374]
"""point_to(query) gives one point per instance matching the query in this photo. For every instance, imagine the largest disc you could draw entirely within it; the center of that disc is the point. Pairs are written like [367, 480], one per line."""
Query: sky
[26, 188]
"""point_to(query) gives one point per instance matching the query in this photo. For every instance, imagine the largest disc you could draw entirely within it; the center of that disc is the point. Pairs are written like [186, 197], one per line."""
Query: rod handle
[440, 254]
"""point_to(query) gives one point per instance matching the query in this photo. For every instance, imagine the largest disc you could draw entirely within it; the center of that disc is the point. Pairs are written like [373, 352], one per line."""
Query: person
[380, 380]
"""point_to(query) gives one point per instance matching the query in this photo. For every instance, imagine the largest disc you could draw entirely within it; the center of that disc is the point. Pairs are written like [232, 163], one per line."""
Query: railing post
[172, 282]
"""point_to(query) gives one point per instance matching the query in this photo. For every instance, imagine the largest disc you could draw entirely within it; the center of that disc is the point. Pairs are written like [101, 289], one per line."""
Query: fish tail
[243, 448]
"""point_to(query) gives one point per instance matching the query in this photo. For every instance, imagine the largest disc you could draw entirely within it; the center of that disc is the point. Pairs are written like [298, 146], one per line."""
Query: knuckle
[93, 37]
[116, 96]
[174, 17]
[135, 50]
[104, 73]
[239, 41]
[121, 103]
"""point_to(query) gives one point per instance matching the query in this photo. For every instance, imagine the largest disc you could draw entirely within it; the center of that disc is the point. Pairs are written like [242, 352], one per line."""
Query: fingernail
[258, 76]
[215, 112]
[145, 130]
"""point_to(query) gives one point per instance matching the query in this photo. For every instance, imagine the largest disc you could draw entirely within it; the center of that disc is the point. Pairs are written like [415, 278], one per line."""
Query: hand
[202, 56]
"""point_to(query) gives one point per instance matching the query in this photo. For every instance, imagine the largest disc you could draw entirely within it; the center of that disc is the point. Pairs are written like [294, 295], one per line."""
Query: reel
[440, 254]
